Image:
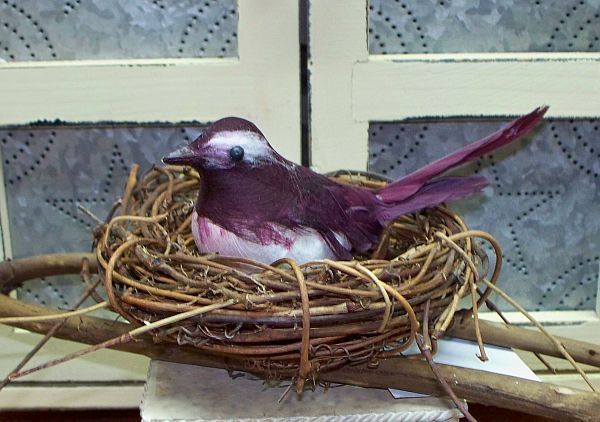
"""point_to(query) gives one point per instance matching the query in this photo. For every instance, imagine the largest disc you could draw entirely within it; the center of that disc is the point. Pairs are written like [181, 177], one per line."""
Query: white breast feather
[303, 247]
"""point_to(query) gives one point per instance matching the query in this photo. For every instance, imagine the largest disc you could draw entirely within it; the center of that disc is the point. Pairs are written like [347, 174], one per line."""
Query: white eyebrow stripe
[254, 146]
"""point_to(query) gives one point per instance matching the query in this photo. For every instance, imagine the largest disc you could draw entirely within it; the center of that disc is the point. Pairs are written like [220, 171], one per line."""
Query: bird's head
[225, 144]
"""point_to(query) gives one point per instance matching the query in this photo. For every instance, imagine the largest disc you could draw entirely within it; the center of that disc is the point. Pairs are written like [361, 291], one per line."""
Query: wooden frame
[262, 84]
[349, 88]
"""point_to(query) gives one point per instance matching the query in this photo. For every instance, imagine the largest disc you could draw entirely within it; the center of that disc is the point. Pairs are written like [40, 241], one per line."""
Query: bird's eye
[236, 153]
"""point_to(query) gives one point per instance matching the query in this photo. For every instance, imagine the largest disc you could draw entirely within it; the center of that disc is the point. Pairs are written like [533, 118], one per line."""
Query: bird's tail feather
[412, 183]
[432, 193]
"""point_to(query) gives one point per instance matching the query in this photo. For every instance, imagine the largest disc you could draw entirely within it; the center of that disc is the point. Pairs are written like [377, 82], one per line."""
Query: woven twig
[285, 320]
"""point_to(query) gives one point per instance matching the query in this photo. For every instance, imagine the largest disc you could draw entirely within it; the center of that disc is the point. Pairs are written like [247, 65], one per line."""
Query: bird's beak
[182, 156]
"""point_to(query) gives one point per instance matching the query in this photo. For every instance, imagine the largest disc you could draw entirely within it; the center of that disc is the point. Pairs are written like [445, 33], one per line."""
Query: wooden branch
[483, 387]
[524, 339]
[89, 291]
[14, 273]
[532, 397]
[424, 344]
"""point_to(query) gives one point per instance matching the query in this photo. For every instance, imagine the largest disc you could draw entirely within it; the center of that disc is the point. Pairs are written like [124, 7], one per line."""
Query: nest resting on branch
[285, 320]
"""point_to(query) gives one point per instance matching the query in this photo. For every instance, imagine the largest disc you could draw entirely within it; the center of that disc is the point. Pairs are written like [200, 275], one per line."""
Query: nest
[285, 320]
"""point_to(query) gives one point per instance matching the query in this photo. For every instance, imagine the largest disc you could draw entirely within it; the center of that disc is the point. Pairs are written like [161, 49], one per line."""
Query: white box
[177, 392]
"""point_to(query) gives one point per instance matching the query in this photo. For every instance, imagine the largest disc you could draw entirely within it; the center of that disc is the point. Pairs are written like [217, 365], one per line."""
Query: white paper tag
[463, 353]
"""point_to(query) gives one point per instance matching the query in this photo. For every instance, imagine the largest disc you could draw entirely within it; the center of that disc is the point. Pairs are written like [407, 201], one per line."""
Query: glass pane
[116, 29]
[428, 26]
[542, 204]
[48, 171]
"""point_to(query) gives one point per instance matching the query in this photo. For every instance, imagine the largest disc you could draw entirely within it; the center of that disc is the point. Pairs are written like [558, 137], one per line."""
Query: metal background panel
[49, 171]
[453, 26]
[116, 29]
[542, 204]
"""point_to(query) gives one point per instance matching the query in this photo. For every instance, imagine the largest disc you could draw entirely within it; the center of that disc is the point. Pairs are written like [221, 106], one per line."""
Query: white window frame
[261, 84]
[350, 87]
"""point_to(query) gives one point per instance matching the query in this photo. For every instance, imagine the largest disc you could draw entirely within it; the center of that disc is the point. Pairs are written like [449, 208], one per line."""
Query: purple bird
[256, 204]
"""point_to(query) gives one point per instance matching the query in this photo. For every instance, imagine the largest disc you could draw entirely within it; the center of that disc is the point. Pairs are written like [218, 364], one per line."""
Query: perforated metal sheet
[542, 205]
[116, 29]
[452, 26]
[49, 171]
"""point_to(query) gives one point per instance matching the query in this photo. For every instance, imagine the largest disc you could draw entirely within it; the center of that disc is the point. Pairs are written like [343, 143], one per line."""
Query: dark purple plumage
[295, 199]
[259, 198]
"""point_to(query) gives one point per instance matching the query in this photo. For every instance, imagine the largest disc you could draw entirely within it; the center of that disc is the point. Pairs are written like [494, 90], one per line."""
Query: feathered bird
[256, 204]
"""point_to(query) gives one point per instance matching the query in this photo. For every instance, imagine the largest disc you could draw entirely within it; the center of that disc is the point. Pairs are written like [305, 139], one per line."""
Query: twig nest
[283, 320]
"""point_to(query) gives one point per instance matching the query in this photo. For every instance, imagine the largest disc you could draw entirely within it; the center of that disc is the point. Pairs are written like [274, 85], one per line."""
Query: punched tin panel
[542, 204]
[49, 171]
[483, 26]
[116, 29]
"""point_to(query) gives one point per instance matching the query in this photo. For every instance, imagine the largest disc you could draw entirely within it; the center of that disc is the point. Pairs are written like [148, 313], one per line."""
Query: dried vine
[483, 387]
[285, 320]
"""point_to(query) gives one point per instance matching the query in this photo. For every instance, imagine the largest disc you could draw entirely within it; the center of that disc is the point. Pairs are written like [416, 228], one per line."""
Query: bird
[254, 203]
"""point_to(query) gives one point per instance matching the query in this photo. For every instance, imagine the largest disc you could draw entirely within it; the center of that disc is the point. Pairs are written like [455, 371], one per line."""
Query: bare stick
[87, 279]
[545, 362]
[54, 329]
[504, 335]
[425, 348]
[492, 307]
[131, 182]
[471, 280]
[557, 343]
[384, 241]
[90, 214]
[532, 397]
[305, 365]
[53, 317]
[124, 338]
[14, 273]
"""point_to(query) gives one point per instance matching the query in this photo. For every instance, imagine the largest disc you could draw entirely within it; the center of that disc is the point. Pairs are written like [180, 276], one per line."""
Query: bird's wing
[339, 213]
[292, 197]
